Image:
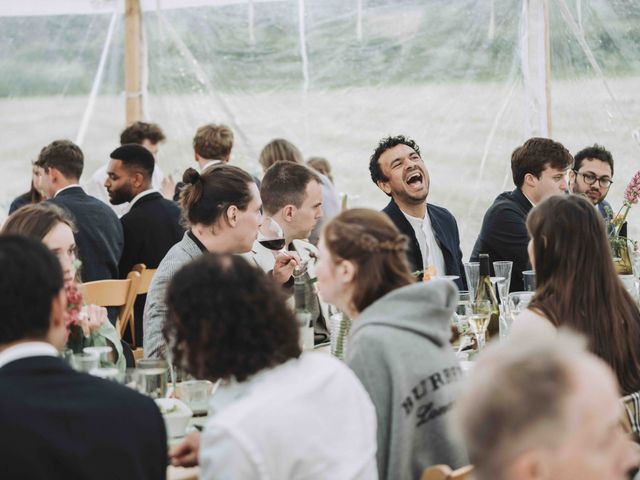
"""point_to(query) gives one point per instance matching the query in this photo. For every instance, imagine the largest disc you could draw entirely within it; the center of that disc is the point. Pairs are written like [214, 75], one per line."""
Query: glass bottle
[486, 291]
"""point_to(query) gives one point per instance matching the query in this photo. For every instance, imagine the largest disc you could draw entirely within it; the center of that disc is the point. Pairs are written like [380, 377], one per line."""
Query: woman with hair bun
[223, 211]
[399, 342]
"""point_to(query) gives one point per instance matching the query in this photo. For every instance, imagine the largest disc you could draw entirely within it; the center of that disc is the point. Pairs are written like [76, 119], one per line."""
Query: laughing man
[398, 170]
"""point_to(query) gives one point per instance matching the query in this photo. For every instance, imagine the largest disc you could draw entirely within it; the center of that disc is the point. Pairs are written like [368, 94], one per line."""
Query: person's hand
[91, 318]
[168, 187]
[283, 268]
[185, 454]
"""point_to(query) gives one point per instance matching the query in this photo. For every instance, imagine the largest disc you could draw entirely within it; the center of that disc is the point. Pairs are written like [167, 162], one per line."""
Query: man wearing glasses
[592, 176]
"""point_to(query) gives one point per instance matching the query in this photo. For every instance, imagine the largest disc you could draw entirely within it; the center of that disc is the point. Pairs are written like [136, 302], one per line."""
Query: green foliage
[403, 42]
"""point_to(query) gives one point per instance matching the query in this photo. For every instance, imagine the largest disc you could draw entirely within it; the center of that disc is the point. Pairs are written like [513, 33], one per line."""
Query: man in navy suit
[56, 422]
[152, 225]
[397, 168]
[99, 233]
[539, 168]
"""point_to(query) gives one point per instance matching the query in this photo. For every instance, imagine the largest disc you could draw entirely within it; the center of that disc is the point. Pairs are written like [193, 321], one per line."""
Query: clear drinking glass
[503, 270]
[103, 353]
[529, 280]
[479, 320]
[152, 376]
[517, 303]
[195, 393]
[85, 362]
[472, 271]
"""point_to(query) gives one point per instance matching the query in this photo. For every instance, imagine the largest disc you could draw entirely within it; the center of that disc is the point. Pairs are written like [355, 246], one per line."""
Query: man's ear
[288, 212]
[232, 215]
[57, 333]
[138, 179]
[530, 465]
[384, 186]
[530, 180]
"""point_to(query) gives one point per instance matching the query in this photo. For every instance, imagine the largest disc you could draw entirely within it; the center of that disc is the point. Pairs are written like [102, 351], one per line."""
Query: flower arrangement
[73, 317]
[617, 243]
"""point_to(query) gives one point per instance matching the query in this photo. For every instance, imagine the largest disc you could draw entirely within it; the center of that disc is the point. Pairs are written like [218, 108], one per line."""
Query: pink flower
[632, 192]
[74, 305]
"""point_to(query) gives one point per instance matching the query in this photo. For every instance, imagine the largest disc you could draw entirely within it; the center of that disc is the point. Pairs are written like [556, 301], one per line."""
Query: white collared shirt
[429, 248]
[525, 196]
[210, 163]
[27, 350]
[140, 195]
[66, 188]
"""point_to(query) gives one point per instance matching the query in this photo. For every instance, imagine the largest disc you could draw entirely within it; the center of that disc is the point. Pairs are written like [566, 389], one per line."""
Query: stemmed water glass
[472, 271]
[503, 273]
[479, 320]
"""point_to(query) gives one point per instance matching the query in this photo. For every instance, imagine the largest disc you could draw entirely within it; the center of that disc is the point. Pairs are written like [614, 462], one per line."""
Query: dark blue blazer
[57, 423]
[504, 234]
[445, 229]
[99, 234]
[151, 228]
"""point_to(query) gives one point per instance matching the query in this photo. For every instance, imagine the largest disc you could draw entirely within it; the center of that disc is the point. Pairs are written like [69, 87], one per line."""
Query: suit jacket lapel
[405, 228]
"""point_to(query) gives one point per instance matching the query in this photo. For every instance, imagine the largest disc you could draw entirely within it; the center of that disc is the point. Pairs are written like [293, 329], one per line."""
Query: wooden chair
[631, 417]
[443, 472]
[113, 293]
[146, 276]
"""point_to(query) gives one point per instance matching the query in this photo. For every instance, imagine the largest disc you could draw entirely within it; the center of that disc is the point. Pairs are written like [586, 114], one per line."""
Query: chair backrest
[443, 472]
[113, 293]
[146, 275]
[631, 418]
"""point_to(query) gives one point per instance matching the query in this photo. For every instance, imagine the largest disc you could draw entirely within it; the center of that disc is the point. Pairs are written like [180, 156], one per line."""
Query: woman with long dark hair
[577, 285]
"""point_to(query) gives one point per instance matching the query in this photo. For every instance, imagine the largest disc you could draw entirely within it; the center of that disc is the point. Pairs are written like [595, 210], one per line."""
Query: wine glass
[271, 236]
[479, 320]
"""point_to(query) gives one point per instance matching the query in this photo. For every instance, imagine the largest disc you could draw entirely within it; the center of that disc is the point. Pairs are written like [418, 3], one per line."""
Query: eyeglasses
[590, 179]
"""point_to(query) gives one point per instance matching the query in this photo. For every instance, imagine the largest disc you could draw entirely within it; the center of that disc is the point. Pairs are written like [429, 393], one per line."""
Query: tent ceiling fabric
[40, 8]
[333, 77]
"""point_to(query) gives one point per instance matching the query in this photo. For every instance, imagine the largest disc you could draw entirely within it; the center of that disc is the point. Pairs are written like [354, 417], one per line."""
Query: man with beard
[152, 225]
[434, 242]
[592, 176]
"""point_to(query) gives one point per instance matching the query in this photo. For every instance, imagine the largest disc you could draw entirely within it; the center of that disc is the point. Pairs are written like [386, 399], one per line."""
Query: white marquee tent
[468, 79]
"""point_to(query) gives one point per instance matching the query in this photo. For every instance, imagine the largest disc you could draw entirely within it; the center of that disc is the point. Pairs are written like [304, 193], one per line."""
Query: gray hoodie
[399, 349]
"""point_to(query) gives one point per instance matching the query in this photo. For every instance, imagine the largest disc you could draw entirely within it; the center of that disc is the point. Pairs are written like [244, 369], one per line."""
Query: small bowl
[176, 416]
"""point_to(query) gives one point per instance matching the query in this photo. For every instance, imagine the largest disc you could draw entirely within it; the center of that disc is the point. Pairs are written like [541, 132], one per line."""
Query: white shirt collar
[140, 195]
[525, 196]
[66, 188]
[27, 350]
[210, 163]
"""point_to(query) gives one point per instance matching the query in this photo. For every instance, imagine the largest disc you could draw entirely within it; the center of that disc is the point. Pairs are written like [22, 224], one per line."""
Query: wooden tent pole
[133, 60]
[547, 66]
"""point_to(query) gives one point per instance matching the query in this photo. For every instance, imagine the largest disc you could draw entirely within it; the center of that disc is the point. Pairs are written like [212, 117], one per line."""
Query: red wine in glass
[274, 244]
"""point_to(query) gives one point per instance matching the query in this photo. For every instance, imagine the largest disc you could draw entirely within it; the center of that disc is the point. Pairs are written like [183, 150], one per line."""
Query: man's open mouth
[415, 180]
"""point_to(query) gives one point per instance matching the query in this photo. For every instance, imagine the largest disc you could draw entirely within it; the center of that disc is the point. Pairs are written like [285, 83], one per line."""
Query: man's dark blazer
[99, 233]
[151, 228]
[60, 424]
[504, 234]
[445, 229]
